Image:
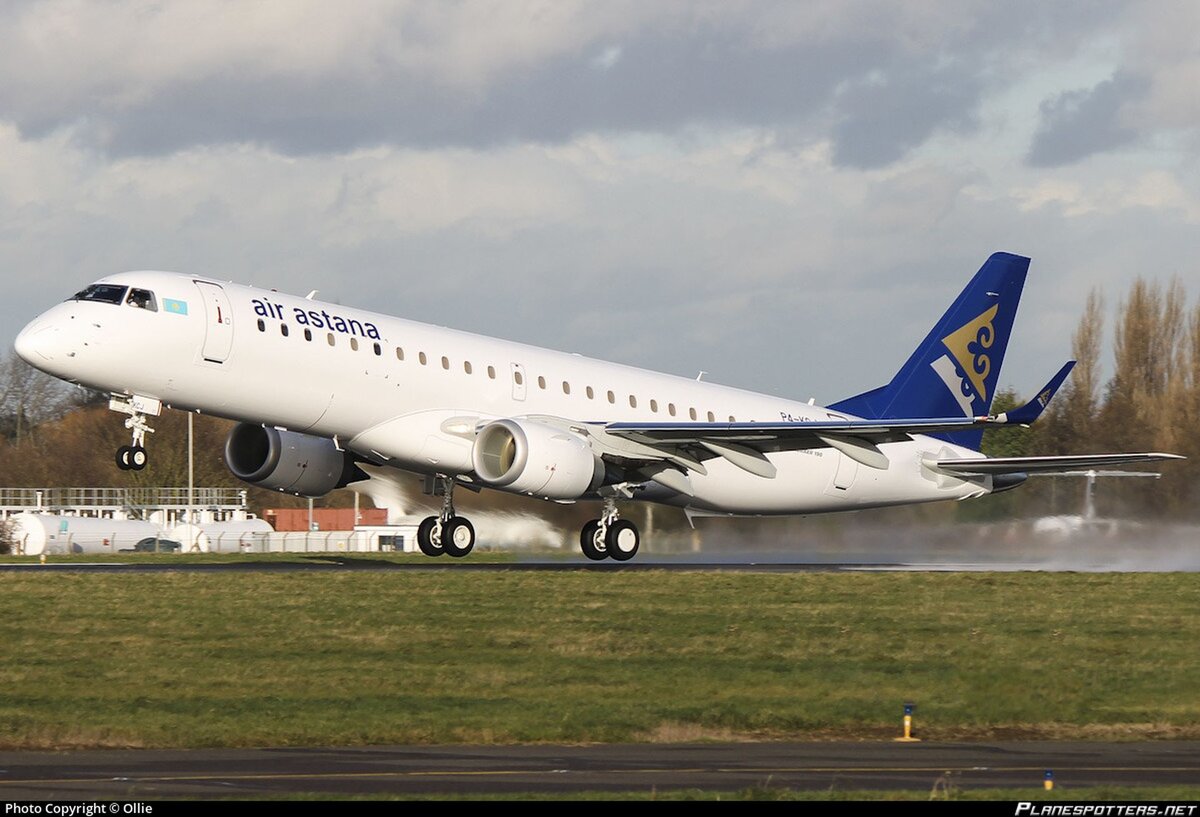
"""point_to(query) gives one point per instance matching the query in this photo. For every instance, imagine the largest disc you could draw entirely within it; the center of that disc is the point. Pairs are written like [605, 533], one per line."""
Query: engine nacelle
[528, 457]
[287, 461]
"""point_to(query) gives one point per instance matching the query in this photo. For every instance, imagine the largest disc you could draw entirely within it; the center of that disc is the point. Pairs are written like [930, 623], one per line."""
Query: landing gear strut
[134, 457]
[447, 532]
[610, 536]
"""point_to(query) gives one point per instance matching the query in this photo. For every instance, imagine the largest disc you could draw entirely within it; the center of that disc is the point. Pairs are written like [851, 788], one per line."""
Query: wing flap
[1043, 465]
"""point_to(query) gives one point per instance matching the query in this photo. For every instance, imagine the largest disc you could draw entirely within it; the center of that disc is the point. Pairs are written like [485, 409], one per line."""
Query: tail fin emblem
[969, 346]
[967, 376]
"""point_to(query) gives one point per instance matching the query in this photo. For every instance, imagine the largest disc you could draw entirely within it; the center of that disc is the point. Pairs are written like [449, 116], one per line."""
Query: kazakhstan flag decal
[175, 307]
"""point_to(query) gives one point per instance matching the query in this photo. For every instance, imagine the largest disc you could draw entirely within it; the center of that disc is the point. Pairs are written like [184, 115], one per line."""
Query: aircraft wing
[784, 436]
[807, 433]
[1043, 465]
[745, 444]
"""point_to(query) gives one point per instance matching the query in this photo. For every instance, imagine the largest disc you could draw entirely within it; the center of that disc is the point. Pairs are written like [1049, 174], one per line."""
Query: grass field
[266, 659]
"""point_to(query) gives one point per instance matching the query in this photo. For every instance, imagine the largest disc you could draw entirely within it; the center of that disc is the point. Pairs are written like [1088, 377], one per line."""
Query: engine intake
[528, 457]
[288, 461]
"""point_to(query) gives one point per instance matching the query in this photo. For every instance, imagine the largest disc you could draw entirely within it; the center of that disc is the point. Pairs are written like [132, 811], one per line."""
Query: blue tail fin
[955, 370]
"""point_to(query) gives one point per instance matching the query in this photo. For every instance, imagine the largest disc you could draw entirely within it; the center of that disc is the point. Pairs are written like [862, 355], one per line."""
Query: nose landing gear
[134, 457]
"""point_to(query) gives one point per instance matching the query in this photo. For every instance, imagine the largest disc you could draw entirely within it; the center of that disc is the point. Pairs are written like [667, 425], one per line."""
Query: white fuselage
[411, 394]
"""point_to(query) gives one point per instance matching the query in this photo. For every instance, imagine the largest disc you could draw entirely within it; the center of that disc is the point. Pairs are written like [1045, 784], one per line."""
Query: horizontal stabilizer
[1042, 465]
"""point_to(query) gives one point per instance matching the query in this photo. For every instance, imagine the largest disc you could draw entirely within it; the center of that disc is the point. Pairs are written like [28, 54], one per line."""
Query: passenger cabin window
[104, 293]
[654, 406]
[467, 366]
[671, 409]
[399, 353]
[632, 401]
[421, 357]
[566, 387]
[354, 344]
[517, 378]
[332, 340]
[142, 299]
[692, 413]
[612, 398]
[445, 363]
[378, 349]
[262, 325]
[308, 334]
[712, 418]
[283, 329]
[492, 372]
[541, 382]
[590, 393]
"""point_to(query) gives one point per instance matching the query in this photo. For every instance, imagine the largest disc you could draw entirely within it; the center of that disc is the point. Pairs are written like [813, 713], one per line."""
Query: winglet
[1026, 414]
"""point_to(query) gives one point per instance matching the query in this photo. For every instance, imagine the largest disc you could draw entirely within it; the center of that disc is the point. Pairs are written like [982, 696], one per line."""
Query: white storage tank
[36, 533]
[234, 536]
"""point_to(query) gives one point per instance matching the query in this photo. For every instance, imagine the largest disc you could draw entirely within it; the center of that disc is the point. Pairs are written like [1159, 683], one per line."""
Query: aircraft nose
[35, 343]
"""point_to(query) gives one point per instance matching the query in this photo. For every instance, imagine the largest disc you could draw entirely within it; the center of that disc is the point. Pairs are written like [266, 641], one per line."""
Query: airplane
[366, 391]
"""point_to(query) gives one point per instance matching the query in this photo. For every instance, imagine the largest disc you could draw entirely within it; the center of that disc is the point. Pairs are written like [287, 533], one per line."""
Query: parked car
[154, 544]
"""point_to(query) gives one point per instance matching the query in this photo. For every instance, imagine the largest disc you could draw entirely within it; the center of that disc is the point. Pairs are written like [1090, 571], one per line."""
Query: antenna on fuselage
[310, 295]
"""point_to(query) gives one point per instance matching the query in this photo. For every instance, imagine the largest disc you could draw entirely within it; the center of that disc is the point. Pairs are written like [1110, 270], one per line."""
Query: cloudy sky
[784, 194]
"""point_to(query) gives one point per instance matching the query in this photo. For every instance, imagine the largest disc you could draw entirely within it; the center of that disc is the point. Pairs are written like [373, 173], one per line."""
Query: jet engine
[528, 457]
[287, 461]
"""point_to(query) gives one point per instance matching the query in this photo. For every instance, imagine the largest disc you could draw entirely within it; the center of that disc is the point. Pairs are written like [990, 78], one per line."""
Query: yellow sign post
[908, 718]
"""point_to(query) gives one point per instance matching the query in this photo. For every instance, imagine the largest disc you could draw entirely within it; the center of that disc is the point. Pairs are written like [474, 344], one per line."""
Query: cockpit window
[142, 299]
[107, 293]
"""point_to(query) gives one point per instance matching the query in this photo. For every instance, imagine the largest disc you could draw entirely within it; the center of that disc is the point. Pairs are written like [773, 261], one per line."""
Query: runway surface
[333, 563]
[343, 563]
[233, 773]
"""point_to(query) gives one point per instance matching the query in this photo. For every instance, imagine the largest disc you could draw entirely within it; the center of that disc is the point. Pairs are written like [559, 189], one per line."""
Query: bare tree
[1144, 401]
[29, 397]
[1070, 422]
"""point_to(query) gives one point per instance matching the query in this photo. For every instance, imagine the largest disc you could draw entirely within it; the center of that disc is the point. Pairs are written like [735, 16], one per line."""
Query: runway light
[1048, 780]
[908, 738]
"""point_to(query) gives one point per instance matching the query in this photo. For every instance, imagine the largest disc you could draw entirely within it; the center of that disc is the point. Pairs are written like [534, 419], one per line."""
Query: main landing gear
[134, 457]
[446, 533]
[609, 536]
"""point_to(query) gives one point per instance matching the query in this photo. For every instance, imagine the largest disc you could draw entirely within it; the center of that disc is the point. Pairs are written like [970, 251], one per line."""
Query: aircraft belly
[810, 482]
[798, 486]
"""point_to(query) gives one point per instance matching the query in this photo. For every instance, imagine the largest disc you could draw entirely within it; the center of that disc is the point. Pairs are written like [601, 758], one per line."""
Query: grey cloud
[661, 82]
[880, 97]
[1077, 124]
[883, 120]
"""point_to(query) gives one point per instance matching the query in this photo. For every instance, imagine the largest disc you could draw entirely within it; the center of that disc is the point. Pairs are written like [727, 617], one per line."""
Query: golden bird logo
[969, 346]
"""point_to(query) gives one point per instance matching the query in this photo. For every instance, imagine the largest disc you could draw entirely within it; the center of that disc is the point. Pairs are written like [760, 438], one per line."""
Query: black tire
[123, 455]
[458, 537]
[587, 542]
[622, 540]
[137, 458]
[425, 537]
